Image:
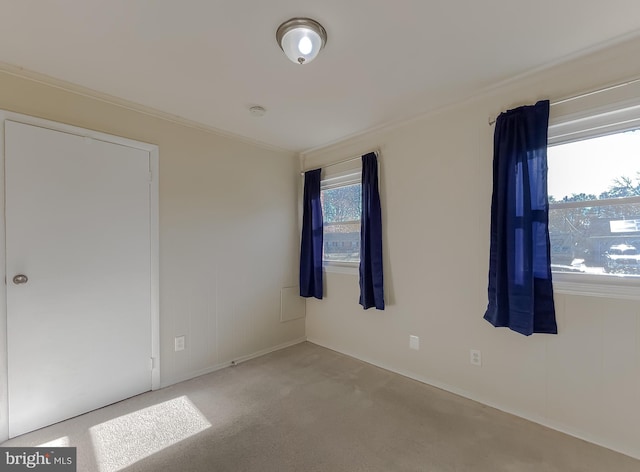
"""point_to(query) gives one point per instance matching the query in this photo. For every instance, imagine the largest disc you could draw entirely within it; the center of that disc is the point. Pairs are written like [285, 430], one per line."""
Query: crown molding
[46, 80]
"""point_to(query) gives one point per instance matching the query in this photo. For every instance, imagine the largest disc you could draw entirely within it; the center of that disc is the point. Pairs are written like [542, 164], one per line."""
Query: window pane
[341, 209]
[596, 239]
[597, 168]
[594, 211]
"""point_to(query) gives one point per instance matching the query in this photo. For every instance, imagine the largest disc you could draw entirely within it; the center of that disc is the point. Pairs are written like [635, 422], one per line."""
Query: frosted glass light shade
[301, 39]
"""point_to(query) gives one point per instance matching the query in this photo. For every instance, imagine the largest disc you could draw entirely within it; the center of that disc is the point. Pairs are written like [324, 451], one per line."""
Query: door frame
[154, 236]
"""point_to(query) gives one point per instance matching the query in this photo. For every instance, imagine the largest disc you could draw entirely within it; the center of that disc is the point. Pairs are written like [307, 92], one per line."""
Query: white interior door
[78, 230]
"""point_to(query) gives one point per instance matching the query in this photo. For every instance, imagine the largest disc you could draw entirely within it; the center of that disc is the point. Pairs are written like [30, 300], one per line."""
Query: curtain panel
[520, 287]
[311, 245]
[371, 276]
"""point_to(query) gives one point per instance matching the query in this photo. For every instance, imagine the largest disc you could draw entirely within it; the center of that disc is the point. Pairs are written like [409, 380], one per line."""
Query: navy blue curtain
[520, 287]
[311, 247]
[371, 283]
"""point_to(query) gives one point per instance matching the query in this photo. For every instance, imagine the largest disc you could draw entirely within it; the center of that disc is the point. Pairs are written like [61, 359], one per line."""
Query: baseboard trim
[236, 361]
[268, 350]
[471, 396]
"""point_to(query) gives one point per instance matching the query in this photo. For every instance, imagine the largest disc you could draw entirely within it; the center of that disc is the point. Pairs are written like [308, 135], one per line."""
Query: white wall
[228, 232]
[436, 191]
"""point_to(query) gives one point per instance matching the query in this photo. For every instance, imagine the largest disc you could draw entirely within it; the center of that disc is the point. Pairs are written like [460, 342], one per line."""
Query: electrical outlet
[414, 342]
[475, 357]
[179, 343]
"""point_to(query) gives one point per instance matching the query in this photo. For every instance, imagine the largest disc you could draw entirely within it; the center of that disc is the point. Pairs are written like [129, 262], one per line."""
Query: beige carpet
[307, 408]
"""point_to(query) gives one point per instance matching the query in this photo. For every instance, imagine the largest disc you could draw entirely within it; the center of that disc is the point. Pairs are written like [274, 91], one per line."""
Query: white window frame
[612, 111]
[336, 180]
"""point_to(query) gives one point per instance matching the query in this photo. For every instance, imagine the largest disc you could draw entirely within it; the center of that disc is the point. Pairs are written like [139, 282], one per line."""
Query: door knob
[20, 279]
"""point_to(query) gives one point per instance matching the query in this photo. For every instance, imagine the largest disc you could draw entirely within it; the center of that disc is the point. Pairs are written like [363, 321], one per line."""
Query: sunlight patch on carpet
[122, 441]
[60, 442]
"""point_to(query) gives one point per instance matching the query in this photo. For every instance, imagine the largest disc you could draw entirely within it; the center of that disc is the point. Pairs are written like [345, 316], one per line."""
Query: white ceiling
[208, 61]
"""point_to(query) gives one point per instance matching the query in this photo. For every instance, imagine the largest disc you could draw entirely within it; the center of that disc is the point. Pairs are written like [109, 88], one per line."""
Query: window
[594, 205]
[594, 196]
[341, 198]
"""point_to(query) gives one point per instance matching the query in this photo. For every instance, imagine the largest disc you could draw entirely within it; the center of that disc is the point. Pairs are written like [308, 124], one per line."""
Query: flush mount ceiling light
[301, 39]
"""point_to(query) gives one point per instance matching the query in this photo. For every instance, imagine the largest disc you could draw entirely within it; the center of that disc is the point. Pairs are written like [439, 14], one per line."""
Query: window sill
[592, 285]
[349, 268]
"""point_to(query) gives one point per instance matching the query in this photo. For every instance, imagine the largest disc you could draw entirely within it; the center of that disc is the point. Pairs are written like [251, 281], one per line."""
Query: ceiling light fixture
[301, 39]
